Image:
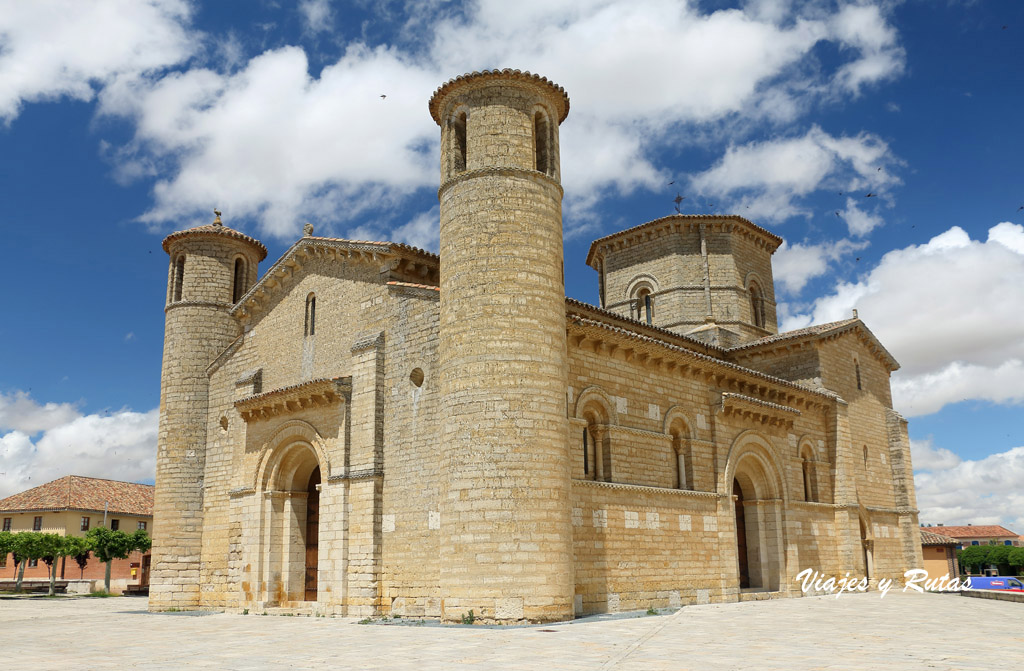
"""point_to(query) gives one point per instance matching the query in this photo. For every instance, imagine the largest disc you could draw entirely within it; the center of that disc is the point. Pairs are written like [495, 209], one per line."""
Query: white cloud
[793, 266]
[984, 491]
[268, 142]
[947, 310]
[119, 446]
[18, 412]
[862, 27]
[768, 179]
[926, 457]
[316, 15]
[51, 48]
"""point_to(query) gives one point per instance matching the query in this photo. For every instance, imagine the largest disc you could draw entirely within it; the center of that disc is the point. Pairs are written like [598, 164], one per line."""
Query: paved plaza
[854, 631]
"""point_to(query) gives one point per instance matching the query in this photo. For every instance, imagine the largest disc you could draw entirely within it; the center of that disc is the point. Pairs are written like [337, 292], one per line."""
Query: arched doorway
[741, 535]
[758, 513]
[312, 533]
[865, 544]
[289, 552]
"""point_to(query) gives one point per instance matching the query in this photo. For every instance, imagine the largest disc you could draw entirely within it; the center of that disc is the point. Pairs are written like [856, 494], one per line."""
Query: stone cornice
[315, 393]
[757, 410]
[358, 474]
[506, 171]
[794, 340]
[201, 304]
[688, 493]
[555, 92]
[602, 337]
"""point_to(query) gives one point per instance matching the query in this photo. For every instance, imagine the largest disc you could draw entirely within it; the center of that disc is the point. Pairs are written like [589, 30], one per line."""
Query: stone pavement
[854, 631]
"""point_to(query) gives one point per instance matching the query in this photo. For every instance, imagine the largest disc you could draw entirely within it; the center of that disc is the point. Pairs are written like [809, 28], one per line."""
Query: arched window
[757, 305]
[179, 276]
[810, 481]
[865, 456]
[459, 143]
[680, 434]
[238, 288]
[541, 149]
[856, 368]
[310, 328]
[586, 455]
[645, 306]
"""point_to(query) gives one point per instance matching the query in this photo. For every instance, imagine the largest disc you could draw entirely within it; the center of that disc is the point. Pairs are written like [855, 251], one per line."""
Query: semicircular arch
[275, 450]
[595, 397]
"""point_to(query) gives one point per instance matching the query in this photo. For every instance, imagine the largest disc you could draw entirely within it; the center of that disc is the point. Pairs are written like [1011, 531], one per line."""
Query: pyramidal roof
[76, 492]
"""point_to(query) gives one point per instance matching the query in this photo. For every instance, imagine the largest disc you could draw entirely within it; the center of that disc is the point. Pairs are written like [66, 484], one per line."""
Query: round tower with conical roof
[211, 268]
[506, 535]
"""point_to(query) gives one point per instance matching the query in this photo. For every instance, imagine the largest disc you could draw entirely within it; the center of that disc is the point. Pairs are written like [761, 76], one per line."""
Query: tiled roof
[507, 73]
[216, 229]
[75, 492]
[930, 538]
[976, 531]
[776, 240]
[854, 323]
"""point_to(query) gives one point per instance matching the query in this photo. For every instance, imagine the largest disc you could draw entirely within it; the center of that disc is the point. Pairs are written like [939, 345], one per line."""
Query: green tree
[7, 546]
[26, 547]
[108, 545]
[1017, 560]
[1000, 556]
[51, 548]
[974, 558]
[78, 547]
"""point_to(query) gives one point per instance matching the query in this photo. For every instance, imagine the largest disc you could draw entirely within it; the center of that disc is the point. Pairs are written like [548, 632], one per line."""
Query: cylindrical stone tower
[211, 267]
[506, 534]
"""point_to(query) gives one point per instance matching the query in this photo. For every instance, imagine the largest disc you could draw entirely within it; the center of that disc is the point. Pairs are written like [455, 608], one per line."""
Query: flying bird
[837, 214]
[383, 96]
[1020, 208]
[672, 182]
[870, 195]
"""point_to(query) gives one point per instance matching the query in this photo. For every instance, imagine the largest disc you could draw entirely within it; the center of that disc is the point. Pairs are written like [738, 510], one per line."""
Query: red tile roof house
[978, 534]
[71, 506]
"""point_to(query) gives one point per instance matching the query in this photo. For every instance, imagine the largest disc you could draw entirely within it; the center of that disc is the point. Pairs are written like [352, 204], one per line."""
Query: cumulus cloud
[18, 412]
[768, 179]
[946, 310]
[983, 491]
[793, 266]
[926, 457]
[119, 445]
[68, 48]
[270, 143]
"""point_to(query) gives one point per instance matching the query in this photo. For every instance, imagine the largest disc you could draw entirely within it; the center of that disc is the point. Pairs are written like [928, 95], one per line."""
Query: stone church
[371, 429]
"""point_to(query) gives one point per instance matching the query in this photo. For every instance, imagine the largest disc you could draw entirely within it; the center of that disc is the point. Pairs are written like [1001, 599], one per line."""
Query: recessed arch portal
[752, 477]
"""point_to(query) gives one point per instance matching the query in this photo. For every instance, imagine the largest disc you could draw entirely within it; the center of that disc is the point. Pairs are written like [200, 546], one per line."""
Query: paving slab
[853, 631]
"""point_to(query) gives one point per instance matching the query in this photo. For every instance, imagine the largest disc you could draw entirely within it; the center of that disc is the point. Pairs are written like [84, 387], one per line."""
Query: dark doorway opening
[312, 533]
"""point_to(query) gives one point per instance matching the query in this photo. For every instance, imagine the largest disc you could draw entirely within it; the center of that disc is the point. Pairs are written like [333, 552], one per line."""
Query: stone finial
[307, 230]
[217, 221]
[855, 313]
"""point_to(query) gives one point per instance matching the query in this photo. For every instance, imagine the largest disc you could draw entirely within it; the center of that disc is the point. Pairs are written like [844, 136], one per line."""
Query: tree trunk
[53, 577]
[21, 575]
[106, 578]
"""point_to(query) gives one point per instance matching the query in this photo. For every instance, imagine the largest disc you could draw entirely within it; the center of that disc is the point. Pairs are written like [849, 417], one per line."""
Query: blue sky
[123, 121]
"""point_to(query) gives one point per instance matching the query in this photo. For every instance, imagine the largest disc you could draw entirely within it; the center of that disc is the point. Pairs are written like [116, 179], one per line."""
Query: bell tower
[211, 267]
[506, 535]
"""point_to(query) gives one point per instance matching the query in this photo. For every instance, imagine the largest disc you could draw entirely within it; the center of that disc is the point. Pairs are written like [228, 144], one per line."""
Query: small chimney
[968, 524]
[940, 524]
[855, 313]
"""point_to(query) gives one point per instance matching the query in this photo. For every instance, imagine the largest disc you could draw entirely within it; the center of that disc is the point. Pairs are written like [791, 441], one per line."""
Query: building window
[856, 368]
[975, 543]
[238, 288]
[459, 143]
[757, 305]
[179, 277]
[644, 306]
[810, 486]
[865, 456]
[541, 135]
[85, 523]
[7, 524]
[32, 563]
[310, 327]
[586, 457]
[37, 524]
[115, 525]
[1008, 543]
[142, 526]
